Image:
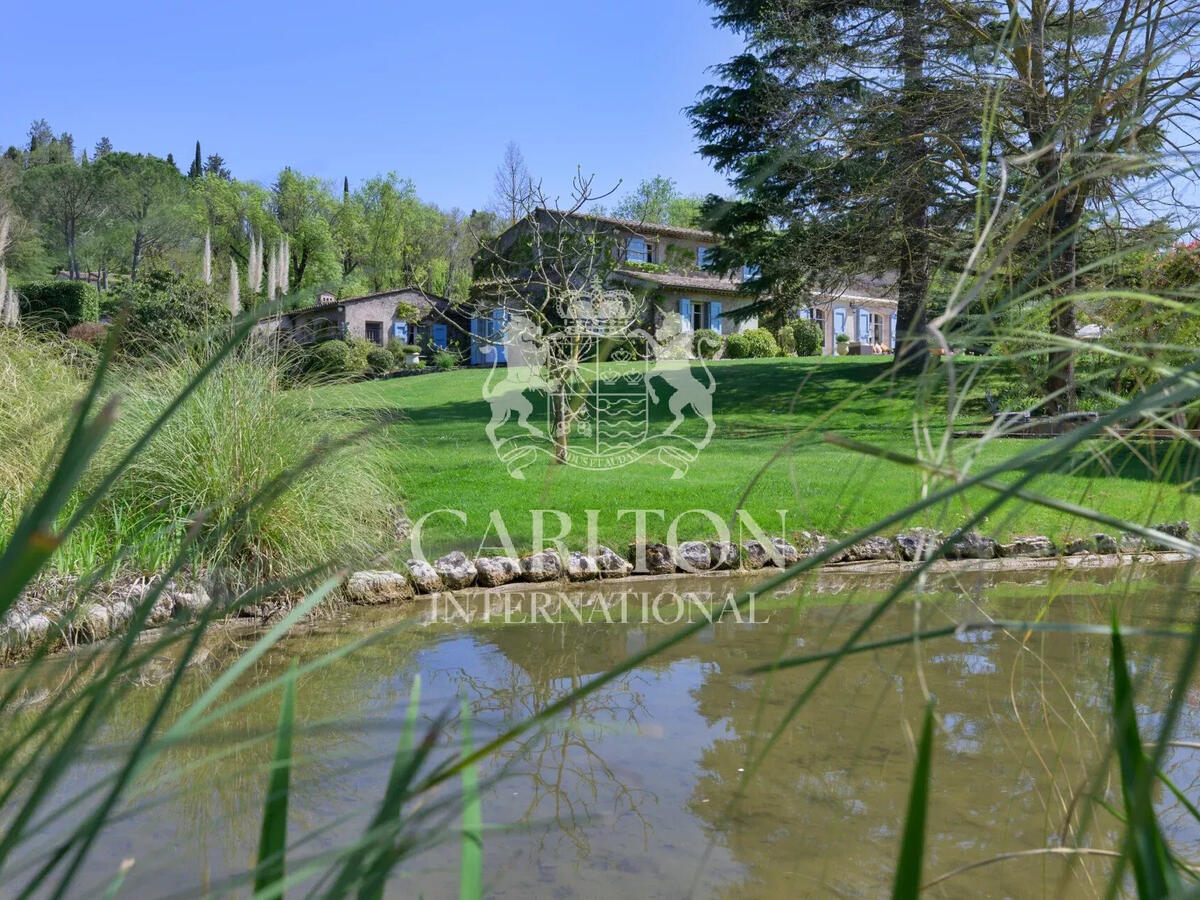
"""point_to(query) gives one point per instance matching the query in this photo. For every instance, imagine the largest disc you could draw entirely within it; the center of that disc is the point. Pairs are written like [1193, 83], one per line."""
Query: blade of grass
[907, 884]
[272, 842]
[471, 877]
[1153, 871]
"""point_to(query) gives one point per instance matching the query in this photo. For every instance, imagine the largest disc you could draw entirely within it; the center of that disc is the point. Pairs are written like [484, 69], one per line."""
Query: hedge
[757, 343]
[808, 336]
[61, 303]
[706, 343]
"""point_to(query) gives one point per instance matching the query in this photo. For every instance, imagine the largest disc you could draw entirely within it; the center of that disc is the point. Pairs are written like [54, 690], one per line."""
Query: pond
[641, 790]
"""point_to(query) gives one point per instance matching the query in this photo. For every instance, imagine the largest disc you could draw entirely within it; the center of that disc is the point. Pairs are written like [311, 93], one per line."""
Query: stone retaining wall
[54, 611]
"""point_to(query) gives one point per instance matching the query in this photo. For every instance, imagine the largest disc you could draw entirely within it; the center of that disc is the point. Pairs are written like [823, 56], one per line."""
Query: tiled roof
[712, 284]
[433, 299]
[646, 228]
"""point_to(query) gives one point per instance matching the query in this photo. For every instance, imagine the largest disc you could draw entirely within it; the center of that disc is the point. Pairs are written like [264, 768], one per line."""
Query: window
[703, 256]
[637, 251]
[875, 326]
[700, 315]
[375, 332]
[818, 316]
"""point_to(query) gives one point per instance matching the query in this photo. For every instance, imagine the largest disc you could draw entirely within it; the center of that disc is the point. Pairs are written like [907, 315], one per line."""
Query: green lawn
[767, 453]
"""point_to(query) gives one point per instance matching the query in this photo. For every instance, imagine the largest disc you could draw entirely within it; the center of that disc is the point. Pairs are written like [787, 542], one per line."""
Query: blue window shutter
[499, 320]
[476, 344]
[839, 321]
[864, 325]
[400, 332]
[714, 316]
[685, 310]
[893, 329]
[439, 335]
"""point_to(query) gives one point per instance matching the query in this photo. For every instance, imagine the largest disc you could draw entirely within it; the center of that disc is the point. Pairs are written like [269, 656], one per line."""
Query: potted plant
[843, 344]
[412, 354]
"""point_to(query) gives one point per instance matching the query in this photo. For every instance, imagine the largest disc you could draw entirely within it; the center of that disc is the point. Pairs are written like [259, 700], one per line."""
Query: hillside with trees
[114, 215]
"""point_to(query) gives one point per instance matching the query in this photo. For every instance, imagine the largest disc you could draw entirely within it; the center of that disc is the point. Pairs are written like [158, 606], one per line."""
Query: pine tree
[171, 161]
[830, 179]
[197, 169]
[345, 189]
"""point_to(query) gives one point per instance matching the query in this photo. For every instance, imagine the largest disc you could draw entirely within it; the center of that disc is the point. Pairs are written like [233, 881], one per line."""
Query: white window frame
[701, 315]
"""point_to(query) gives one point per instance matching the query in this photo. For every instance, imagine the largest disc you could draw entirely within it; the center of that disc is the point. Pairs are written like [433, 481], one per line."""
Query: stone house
[661, 265]
[405, 315]
[864, 309]
[665, 267]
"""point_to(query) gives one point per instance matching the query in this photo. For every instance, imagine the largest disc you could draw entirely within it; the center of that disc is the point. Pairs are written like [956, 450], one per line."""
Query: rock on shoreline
[51, 611]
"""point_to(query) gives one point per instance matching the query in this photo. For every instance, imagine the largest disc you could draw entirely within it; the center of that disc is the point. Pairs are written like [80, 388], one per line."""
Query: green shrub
[706, 343]
[757, 343]
[359, 349]
[379, 360]
[165, 309]
[808, 337]
[786, 339]
[329, 358]
[62, 304]
[445, 360]
[396, 350]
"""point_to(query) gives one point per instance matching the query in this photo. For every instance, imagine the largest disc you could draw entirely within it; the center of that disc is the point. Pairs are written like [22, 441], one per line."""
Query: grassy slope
[759, 406]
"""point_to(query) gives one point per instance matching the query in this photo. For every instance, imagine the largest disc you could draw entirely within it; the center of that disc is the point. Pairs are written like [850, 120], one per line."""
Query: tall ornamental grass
[240, 430]
[235, 435]
[38, 384]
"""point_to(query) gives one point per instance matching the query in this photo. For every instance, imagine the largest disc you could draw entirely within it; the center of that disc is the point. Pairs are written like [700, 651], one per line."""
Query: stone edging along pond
[106, 613]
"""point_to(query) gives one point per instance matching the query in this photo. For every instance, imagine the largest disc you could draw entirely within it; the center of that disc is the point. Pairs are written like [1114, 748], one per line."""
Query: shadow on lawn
[1150, 460]
[750, 400]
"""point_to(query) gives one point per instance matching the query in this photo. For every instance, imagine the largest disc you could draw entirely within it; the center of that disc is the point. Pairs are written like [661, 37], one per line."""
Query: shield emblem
[611, 409]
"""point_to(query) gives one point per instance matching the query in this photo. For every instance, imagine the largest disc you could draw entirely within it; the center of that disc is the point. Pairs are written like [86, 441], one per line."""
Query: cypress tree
[197, 168]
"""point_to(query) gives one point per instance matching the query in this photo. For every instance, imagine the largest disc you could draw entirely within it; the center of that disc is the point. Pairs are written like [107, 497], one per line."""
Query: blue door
[839, 321]
[440, 336]
[864, 327]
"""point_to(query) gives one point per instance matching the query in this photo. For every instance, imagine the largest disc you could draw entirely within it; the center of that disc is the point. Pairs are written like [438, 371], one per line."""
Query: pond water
[640, 792]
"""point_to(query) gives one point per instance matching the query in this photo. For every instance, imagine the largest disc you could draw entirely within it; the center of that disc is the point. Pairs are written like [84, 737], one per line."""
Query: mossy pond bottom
[641, 791]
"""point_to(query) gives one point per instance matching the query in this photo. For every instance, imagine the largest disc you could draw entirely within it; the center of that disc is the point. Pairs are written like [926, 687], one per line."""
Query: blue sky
[432, 91]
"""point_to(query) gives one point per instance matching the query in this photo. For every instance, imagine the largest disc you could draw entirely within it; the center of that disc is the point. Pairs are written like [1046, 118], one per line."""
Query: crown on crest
[597, 311]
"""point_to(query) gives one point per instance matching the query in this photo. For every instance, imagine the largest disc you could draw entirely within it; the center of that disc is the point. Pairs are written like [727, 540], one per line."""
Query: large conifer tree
[850, 133]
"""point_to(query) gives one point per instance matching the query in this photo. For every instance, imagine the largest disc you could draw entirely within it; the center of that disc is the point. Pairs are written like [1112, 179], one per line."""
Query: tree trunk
[1060, 375]
[913, 198]
[561, 423]
[137, 255]
[72, 261]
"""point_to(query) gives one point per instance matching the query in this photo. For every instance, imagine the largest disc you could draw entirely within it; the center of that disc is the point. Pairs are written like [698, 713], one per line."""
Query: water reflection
[639, 789]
